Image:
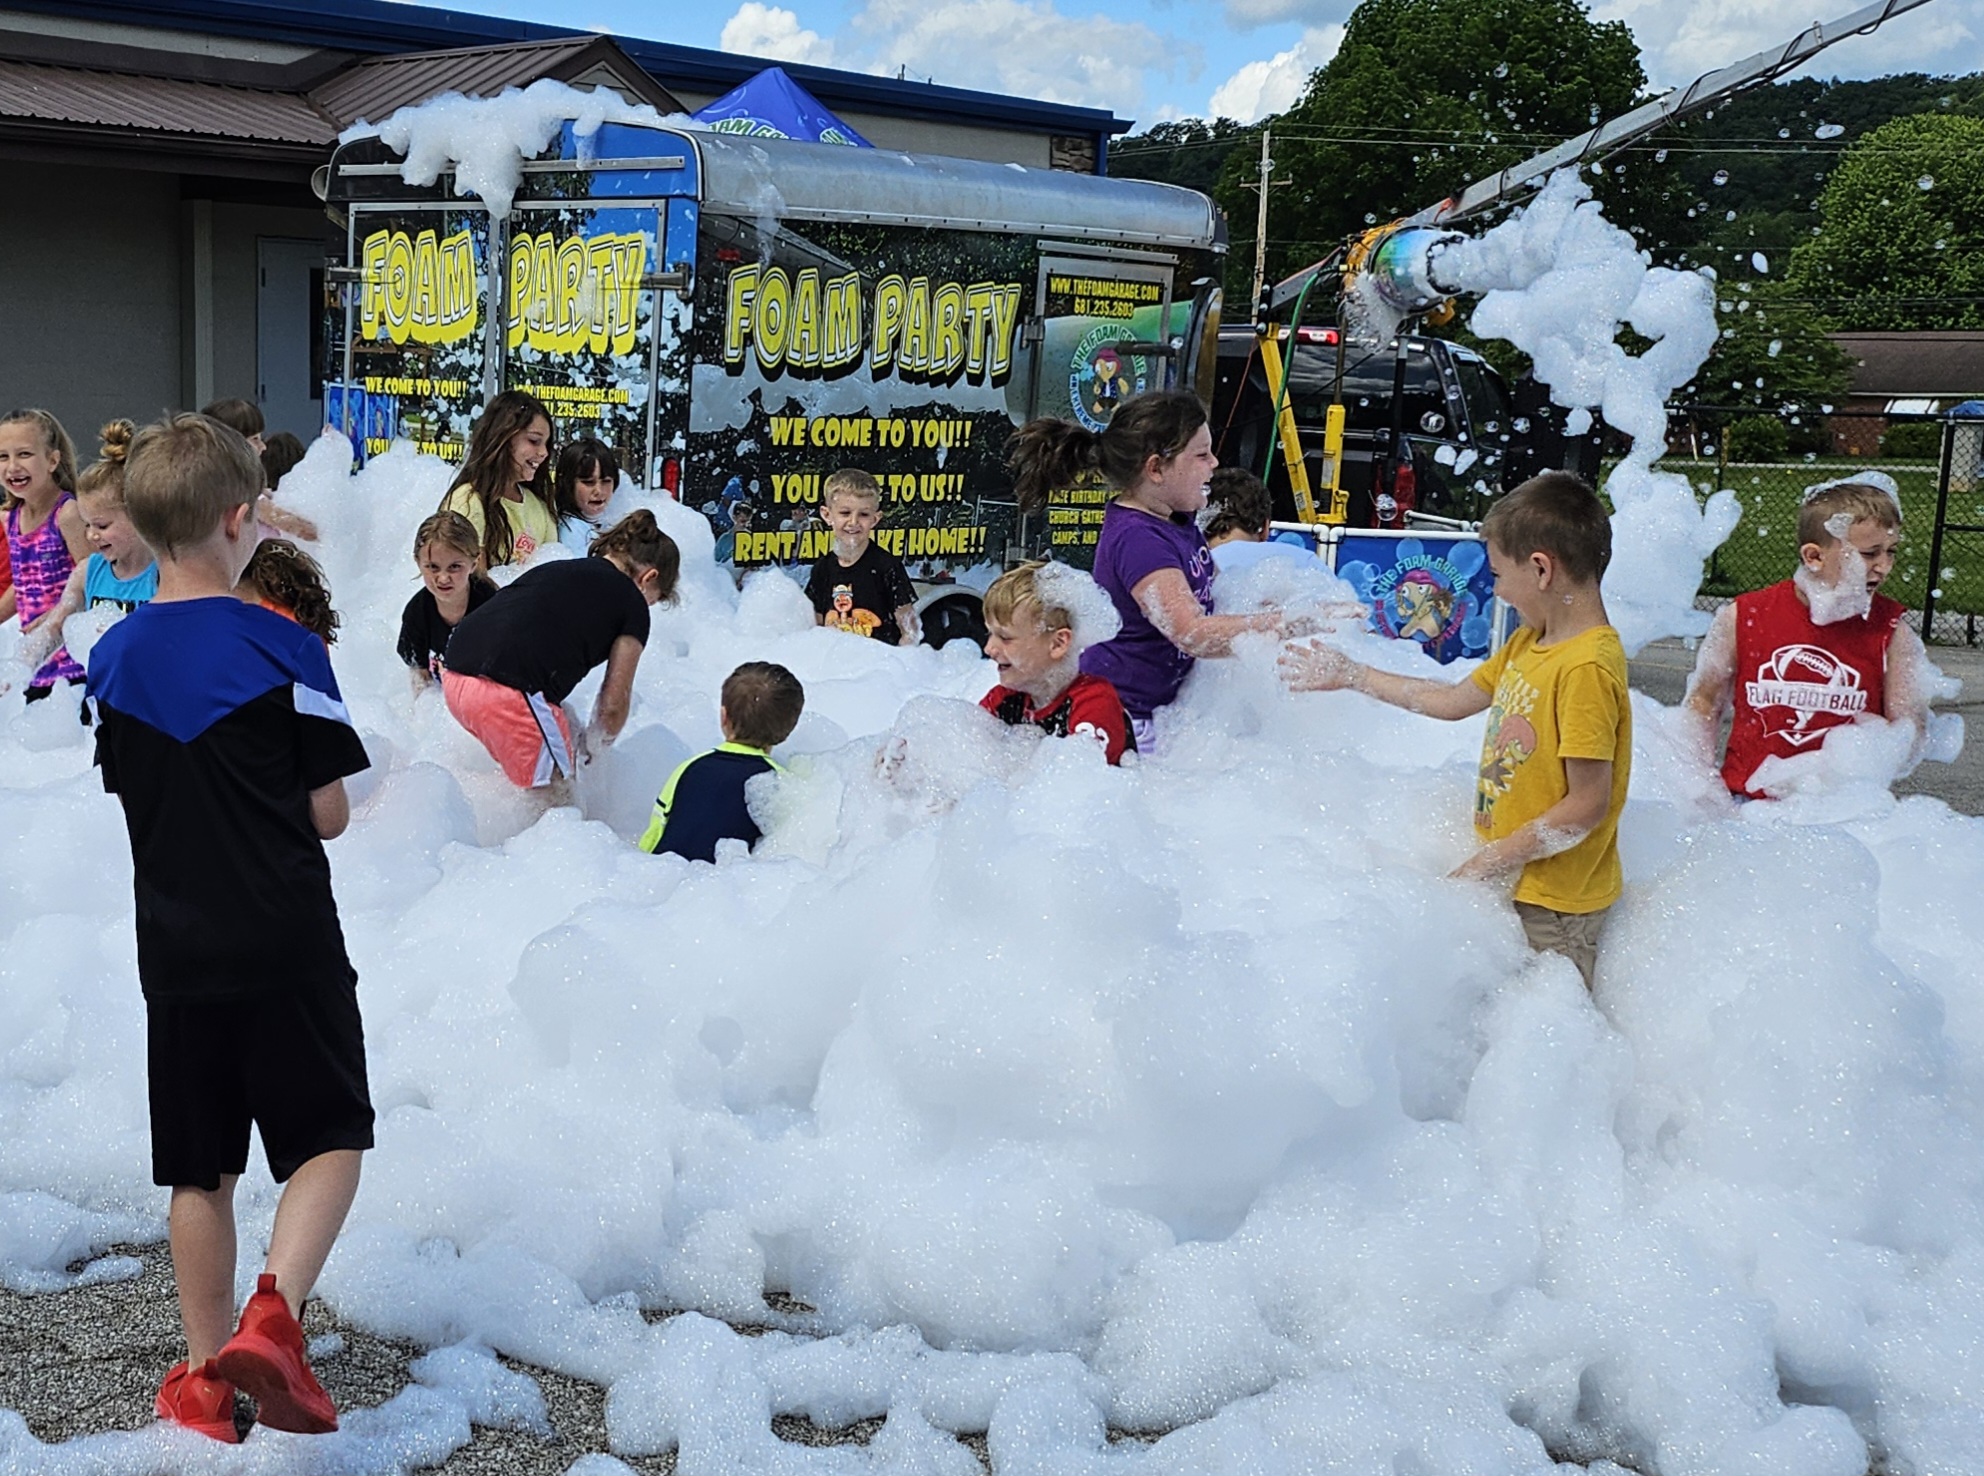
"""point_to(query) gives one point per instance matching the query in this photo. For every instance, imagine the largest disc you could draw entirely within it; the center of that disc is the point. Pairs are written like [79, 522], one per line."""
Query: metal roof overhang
[749, 177]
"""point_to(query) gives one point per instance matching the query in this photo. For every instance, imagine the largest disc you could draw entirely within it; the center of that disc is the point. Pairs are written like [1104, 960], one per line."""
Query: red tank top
[1795, 680]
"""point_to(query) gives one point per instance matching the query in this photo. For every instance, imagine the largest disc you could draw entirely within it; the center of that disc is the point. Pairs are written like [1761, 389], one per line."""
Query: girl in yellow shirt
[505, 485]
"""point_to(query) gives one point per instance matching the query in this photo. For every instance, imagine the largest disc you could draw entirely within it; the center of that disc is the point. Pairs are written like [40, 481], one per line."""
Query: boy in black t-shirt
[703, 801]
[221, 730]
[858, 586]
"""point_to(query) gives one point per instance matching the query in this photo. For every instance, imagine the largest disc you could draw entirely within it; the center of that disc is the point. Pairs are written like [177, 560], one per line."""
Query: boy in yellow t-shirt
[1559, 745]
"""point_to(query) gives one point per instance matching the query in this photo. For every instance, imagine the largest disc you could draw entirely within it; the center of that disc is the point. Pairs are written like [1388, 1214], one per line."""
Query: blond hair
[104, 477]
[183, 475]
[1862, 502]
[450, 530]
[852, 481]
[1016, 593]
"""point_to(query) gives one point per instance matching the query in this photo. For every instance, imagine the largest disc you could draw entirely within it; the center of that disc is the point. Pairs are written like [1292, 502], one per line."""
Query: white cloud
[1023, 48]
[1681, 39]
[774, 32]
[1272, 86]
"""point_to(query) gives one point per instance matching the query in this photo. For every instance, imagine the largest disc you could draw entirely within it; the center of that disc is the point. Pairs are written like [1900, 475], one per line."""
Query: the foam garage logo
[420, 287]
[805, 324]
[577, 292]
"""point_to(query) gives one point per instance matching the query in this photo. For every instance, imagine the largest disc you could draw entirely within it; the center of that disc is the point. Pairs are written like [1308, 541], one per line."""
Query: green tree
[1901, 230]
[1773, 360]
[1425, 96]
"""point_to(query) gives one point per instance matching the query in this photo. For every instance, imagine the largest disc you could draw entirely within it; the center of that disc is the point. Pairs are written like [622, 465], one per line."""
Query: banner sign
[862, 347]
[1436, 589]
[417, 325]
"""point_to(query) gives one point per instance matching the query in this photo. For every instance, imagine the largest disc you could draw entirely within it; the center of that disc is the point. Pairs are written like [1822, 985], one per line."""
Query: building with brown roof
[1903, 374]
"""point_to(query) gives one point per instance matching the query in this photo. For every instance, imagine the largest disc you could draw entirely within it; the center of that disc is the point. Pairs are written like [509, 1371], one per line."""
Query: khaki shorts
[1573, 934]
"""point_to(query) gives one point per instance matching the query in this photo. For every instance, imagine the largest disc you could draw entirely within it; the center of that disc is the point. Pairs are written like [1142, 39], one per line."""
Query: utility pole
[1262, 186]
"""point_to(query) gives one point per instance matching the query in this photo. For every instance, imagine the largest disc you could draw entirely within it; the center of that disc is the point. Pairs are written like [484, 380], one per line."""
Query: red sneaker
[265, 1360]
[199, 1400]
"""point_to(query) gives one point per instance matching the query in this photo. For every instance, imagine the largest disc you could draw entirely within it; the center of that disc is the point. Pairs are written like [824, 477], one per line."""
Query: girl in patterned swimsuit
[45, 537]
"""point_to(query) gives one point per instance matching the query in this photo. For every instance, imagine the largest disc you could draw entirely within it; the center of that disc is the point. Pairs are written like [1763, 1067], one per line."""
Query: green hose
[1287, 372]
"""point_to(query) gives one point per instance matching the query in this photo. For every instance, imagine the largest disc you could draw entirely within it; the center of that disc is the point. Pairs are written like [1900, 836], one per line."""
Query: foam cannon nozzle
[1404, 267]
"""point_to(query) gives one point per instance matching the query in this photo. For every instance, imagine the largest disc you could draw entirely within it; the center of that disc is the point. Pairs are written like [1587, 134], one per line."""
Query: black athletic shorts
[291, 1061]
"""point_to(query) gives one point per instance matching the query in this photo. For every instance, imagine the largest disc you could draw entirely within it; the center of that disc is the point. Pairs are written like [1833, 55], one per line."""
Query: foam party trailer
[738, 317]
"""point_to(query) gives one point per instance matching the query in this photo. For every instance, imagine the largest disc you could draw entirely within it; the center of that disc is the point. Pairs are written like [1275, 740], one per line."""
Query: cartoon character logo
[1100, 379]
[845, 617]
[1801, 691]
[1423, 592]
[1509, 744]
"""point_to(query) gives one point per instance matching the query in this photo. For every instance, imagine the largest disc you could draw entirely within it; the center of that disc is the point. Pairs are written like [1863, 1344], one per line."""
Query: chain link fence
[1940, 571]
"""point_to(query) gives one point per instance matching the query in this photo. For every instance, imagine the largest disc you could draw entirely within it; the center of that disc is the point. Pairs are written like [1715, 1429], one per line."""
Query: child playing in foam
[45, 537]
[1151, 557]
[121, 574]
[587, 476]
[445, 550]
[1038, 620]
[283, 578]
[512, 663]
[221, 731]
[1559, 745]
[704, 800]
[1817, 650]
[505, 484]
[857, 585]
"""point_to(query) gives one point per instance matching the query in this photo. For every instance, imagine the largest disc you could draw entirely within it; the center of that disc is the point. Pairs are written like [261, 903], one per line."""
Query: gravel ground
[88, 1360]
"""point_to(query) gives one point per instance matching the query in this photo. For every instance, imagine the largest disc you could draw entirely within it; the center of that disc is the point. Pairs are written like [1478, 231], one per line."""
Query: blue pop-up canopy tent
[772, 105]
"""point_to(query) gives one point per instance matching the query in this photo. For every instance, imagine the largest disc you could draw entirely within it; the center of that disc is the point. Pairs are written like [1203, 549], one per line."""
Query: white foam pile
[485, 140]
[1189, 1099]
[1559, 281]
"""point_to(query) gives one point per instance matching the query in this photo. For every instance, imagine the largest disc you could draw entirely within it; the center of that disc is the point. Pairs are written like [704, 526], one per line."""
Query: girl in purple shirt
[1157, 453]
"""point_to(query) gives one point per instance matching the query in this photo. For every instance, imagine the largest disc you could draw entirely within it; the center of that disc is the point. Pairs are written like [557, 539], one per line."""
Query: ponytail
[106, 473]
[1046, 455]
[637, 541]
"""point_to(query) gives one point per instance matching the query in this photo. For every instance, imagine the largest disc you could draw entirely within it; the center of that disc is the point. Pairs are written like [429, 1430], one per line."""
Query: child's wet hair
[762, 701]
[449, 529]
[1240, 503]
[586, 458]
[183, 475]
[54, 438]
[1860, 501]
[851, 481]
[1016, 594]
[288, 576]
[1048, 454]
[637, 539]
[1557, 514]
[104, 477]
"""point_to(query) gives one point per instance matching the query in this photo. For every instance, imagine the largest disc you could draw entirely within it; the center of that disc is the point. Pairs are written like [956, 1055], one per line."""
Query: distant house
[1897, 374]
[165, 248]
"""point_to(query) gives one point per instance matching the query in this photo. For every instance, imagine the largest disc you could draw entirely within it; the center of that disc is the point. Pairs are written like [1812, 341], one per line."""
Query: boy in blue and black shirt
[221, 731]
[703, 801]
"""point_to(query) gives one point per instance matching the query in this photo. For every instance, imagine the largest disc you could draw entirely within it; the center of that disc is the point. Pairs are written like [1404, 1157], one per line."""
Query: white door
[288, 318]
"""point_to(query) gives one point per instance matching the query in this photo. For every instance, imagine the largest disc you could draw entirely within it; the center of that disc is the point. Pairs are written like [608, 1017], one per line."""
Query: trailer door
[596, 293]
[414, 350]
[1094, 310]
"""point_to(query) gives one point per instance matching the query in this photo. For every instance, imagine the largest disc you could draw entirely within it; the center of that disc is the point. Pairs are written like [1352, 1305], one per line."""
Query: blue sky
[1200, 58]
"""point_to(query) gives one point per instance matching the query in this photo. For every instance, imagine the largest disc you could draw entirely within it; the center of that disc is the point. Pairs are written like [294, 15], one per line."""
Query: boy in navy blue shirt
[221, 731]
[703, 801]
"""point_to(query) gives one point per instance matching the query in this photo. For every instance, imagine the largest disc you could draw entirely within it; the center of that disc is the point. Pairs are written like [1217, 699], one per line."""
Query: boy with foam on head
[704, 799]
[857, 585]
[1038, 620]
[1815, 651]
[1559, 745]
[221, 731]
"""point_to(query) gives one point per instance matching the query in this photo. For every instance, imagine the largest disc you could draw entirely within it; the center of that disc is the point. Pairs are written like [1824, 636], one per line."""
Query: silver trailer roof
[781, 179]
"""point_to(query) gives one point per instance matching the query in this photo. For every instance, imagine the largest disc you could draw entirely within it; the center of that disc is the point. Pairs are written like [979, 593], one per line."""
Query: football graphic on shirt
[1800, 691]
